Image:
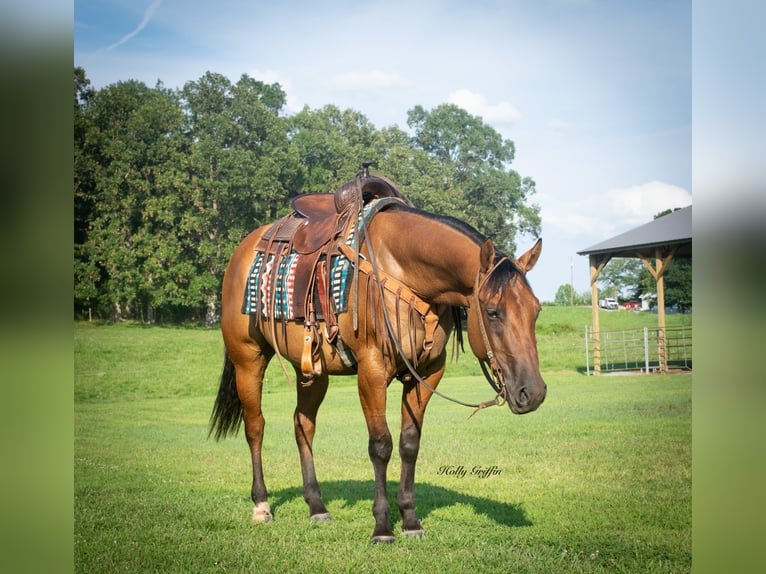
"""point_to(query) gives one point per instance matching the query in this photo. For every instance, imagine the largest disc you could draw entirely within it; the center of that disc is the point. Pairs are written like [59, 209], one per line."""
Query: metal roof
[667, 232]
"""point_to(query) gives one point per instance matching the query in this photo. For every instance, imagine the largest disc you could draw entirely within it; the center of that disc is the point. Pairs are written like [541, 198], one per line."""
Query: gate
[647, 350]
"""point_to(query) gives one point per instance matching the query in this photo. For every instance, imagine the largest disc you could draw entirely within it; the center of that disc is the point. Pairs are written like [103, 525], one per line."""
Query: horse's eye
[493, 313]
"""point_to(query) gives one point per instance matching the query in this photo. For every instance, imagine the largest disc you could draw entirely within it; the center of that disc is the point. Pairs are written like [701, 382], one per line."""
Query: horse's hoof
[414, 533]
[262, 512]
[384, 539]
[323, 517]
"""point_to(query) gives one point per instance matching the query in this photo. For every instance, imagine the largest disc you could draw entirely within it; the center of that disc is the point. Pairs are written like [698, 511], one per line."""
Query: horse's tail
[227, 411]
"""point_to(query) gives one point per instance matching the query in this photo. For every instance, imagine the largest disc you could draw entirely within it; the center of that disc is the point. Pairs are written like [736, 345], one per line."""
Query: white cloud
[640, 203]
[148, 14]
[477, 105]
[559, 125]
[603, 215]
[268, 76]
[367, 80]
[571, 220]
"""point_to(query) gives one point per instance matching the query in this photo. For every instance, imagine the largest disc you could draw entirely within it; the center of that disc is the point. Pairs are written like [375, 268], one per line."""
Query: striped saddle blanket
[280, 303]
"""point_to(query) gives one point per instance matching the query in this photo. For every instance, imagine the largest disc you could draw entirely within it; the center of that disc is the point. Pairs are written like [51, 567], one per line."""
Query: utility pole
[571, 281]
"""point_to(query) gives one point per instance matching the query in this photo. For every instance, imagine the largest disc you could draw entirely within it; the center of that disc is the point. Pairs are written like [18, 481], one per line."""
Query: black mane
[507, 270]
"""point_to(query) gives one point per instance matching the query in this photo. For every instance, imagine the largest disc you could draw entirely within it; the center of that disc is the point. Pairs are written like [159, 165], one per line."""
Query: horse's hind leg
[309, 399]
[249, 385]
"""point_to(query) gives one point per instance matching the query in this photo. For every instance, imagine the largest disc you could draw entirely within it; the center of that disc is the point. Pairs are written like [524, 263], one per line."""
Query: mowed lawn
[597, 480]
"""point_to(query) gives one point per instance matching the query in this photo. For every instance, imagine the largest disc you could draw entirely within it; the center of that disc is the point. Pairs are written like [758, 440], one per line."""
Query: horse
[410, 263]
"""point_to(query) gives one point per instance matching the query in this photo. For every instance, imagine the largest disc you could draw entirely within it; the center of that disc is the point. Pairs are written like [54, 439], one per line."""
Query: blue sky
[596, 95]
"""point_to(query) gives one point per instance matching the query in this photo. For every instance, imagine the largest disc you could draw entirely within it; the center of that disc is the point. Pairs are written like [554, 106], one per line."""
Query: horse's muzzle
[526, 399]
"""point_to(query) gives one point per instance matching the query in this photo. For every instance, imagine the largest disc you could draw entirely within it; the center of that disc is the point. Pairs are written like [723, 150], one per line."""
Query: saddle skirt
[290, 266]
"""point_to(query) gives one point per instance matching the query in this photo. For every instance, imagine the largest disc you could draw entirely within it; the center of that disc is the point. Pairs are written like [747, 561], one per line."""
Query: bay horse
[438, 261]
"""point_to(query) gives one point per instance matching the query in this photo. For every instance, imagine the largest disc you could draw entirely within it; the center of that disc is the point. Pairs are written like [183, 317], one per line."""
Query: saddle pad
[258, 296]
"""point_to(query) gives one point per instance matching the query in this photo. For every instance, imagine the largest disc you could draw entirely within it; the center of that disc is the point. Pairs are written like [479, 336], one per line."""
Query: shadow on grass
[429, 497]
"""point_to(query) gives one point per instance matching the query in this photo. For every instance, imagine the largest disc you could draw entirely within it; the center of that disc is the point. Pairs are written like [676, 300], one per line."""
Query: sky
[595, 94]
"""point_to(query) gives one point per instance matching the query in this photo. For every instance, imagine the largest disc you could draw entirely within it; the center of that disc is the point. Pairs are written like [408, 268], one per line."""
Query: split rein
[495, 370]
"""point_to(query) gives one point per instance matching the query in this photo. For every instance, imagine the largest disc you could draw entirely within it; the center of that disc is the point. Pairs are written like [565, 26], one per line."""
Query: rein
[498, 387]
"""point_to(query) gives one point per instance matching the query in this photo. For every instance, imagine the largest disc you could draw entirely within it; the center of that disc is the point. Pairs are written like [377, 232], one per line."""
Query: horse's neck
[434, 259]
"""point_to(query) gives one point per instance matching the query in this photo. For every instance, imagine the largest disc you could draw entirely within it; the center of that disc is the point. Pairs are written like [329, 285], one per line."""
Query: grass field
[597, 480]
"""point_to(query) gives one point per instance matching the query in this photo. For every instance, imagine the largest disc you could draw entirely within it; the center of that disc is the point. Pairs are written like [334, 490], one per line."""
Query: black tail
[227, 411]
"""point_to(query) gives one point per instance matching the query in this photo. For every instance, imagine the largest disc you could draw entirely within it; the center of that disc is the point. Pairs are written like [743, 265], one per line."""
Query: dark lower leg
[409, 444]
[379, 449]
[304, 420]
[254, 433]
[304, 436]
[414, 402]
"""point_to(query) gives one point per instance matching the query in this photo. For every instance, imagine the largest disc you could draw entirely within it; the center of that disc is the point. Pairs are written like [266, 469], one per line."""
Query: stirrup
[311, 364]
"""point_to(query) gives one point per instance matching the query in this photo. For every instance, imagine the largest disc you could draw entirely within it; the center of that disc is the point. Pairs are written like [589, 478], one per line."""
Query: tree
[168, 182]
[564, 295]
[240, 172]
[678, 280]
[479, 183]
[620, 275]
[122, 147]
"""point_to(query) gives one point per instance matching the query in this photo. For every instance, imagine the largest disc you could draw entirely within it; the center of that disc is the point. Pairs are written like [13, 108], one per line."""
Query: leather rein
[494, 369]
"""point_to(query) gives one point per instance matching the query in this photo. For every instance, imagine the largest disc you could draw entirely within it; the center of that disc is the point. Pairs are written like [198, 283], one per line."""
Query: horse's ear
[528, 260]
[487, 256]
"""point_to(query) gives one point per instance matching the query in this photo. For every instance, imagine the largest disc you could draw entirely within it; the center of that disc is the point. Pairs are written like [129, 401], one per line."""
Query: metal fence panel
[640, 349]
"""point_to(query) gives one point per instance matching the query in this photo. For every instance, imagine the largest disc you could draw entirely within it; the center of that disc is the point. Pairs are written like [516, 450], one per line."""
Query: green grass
[597, 480]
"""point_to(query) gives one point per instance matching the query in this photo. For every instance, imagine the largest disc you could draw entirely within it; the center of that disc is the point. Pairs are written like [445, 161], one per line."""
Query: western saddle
[318, 229]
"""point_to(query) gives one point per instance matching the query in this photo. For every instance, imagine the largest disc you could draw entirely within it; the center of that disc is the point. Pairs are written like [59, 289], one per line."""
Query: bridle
[495, 371]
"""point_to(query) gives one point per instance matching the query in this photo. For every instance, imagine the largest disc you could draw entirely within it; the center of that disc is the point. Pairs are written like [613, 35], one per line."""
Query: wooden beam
[658, 269]
[662, 262]
[597, 263]
[661, 267]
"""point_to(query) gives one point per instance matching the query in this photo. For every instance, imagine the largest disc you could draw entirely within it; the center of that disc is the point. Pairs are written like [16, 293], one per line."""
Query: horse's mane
[506, 271]
[466, 229]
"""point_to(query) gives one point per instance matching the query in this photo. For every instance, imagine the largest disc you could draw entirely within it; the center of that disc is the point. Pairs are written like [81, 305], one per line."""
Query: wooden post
[661, 312]
[597, 263]
[658, 272]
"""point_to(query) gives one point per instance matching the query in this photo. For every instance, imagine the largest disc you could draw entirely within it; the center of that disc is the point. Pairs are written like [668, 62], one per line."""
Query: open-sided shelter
[656, 244]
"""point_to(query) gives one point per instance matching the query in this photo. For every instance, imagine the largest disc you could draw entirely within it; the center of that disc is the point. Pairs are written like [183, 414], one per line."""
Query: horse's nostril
[523, 397]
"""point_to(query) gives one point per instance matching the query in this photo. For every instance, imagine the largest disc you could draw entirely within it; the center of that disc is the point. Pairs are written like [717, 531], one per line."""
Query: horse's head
[501, 326]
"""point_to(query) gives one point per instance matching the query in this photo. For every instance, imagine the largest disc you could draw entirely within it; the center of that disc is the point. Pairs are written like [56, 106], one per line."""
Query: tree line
[168, 181]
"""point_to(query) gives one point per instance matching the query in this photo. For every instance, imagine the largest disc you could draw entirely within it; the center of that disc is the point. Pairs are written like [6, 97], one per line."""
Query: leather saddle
[319, 218]
[318, 222]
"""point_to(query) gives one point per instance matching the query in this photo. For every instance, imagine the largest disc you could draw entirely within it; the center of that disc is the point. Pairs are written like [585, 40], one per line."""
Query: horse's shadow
[429, 497]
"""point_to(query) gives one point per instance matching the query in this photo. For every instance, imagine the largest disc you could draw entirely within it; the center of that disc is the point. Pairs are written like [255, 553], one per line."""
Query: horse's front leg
[372, 394]
[304, 419]
[415, 397]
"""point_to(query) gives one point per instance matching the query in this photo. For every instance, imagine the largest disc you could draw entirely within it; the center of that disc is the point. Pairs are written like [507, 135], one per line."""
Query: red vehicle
[634, 305]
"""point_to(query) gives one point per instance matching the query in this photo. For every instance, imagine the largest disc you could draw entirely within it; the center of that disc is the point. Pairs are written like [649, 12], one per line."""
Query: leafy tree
[619, 275]
[564, 295]
[86, 272]
[240, 172]
[678, 284]
[168, 182]
[678, 279]
[480, 185]
[121, 150]
[330, 144]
